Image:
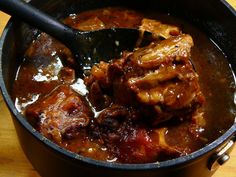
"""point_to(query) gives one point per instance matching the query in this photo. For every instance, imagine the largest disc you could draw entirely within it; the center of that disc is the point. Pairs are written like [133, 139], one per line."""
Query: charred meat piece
[60, 115]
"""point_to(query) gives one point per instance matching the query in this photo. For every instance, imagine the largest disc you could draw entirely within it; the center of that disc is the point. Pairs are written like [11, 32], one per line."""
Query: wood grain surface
[13, 162]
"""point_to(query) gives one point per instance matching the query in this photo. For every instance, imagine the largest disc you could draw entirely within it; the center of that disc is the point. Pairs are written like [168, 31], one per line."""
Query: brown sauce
[47, 65]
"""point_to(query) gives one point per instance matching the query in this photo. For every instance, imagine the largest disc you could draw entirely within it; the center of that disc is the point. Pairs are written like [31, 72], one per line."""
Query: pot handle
[222, 155]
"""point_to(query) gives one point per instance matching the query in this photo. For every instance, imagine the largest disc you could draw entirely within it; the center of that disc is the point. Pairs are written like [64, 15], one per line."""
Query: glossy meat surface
[61, 114]
[158, 80]
[158, 29]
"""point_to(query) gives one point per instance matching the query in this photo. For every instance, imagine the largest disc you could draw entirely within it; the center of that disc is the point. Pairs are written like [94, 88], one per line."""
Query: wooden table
[13, 162]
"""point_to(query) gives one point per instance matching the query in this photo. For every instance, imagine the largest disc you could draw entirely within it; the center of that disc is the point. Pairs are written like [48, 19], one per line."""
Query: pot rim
[147, 166]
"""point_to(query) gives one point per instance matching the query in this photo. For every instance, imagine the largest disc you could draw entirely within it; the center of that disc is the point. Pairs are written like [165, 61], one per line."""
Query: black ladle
[87, 47]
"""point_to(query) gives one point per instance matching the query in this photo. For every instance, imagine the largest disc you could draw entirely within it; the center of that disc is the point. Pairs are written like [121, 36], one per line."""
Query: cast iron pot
[214, 17]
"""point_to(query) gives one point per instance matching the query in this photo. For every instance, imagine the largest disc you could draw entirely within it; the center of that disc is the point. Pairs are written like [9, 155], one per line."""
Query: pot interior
[220, 63]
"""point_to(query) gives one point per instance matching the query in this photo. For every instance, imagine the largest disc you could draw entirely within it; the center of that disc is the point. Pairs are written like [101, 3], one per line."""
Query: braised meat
[160, 77]
[46, 48]
[146, 106]
[144, 88]
[61, 114]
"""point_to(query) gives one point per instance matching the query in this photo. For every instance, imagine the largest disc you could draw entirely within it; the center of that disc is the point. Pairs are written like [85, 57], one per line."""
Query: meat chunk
[98, 85]
[60, 114]
[48, 48]
[105, 18]
[91, 24]
[43, 69]
[99, 73]
[174, 49]
[159, 77]
[133, 142]
[158, 29]
[111, 118]
[169, 83]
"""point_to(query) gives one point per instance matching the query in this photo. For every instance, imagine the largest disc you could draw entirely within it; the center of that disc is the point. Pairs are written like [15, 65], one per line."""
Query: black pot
[214, 17]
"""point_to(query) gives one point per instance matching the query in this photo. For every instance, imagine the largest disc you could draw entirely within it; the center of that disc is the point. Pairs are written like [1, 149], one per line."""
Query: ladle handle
[36, 18]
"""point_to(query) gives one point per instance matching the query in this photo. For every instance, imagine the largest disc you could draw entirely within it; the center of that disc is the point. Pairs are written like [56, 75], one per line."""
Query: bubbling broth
[165, 99]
